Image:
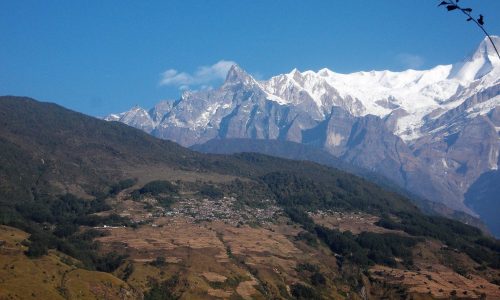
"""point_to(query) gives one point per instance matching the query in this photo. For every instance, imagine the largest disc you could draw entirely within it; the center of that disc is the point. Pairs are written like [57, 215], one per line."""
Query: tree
[453, 5]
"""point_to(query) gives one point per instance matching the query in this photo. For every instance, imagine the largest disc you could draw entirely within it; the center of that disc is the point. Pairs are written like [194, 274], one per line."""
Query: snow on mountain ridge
[478, 64]
[415, 93]
[379, 92]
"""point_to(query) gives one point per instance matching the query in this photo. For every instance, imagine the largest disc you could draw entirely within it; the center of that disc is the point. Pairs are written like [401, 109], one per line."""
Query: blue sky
[99, 57]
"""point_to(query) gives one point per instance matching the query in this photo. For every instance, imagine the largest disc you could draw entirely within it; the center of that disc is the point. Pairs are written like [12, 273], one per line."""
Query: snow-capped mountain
[434, 132]
[380, 93]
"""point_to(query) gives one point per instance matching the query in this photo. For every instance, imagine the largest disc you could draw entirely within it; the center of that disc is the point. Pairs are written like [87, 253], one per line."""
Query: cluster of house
[226, 209]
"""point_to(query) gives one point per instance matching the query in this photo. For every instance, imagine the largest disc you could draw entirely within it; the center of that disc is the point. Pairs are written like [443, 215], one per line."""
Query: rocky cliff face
[433, 132]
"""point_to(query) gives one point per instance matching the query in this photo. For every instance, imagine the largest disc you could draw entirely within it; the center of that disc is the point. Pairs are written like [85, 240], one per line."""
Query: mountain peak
[482, 61]
[324, 72]
[237, 75]
[485, 48]
[295, 75]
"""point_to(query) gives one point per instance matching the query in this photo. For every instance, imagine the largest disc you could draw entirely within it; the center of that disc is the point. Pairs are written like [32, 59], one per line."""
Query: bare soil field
[353, 222]
[439, 284]
[149, 242]
[217, 259]
[435, 277]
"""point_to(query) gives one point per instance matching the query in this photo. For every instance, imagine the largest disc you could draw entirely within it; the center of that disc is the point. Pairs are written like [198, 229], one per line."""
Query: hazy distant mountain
[433, 132]
[483, 197]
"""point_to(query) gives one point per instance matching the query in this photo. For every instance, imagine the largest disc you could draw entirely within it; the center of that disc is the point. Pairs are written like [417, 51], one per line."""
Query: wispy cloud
[203, 76]
[412, 61]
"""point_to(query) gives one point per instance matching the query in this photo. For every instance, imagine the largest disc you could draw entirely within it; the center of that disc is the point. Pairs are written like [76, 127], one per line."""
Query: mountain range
[431, 132]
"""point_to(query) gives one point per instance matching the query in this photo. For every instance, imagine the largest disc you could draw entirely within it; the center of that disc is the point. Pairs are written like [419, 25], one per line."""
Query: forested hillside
[155, 214]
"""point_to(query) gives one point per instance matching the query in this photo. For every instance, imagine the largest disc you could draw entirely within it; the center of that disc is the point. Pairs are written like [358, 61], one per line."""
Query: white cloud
[411, 61]
[203, 76]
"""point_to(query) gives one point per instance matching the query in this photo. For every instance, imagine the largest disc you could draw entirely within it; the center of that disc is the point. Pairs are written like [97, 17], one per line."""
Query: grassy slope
[54, 276]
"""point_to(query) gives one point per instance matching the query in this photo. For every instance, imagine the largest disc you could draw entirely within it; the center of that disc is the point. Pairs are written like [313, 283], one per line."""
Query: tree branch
[470, 18]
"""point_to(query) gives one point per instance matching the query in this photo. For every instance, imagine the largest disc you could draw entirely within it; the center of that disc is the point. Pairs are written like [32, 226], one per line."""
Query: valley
[132, 216]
